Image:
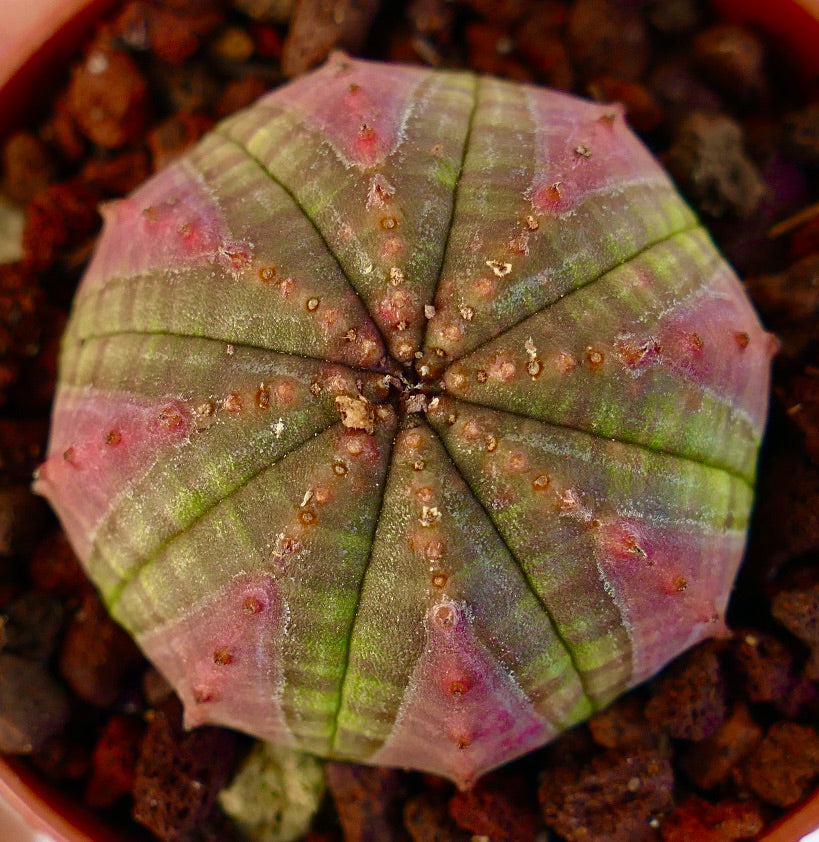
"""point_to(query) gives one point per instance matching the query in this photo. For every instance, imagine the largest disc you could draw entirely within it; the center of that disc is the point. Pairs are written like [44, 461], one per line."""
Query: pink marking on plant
[83, 474]
[698, 339]
[672, 585]
[462, 713]
[172, 221]
[360, 114]
[583, 148]
[223, 657]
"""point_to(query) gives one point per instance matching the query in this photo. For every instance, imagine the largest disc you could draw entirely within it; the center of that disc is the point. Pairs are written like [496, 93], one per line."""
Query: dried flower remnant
[555, 408]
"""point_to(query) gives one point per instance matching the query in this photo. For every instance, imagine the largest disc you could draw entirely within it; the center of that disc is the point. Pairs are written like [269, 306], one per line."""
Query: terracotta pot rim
[47, 810]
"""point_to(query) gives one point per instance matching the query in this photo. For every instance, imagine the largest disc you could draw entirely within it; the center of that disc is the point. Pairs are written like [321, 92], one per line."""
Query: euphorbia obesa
[409, 418]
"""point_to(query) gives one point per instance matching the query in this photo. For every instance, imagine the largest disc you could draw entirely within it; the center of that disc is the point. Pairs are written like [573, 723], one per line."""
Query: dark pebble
[33, 706]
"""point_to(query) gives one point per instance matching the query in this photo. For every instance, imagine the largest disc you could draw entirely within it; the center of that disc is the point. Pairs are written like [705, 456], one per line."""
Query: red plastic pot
[36, 39]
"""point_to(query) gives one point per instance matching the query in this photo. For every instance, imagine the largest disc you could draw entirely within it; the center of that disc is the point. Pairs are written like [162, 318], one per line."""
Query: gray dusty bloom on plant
[410, 418]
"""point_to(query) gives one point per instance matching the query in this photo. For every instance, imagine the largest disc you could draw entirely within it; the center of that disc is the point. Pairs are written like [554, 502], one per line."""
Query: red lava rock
[172, 34]
[427, 819]
[27, 165]
[97, 655]
[33, 706]
[239, 93]
[266, 40]
[499, 806]
[368, 800]
[688, 700]
[58, 219]
[611, 799]
[117, 175]
[642, 110]
[727, 821]
[54, 568]
[785, 765]
[710, 761]
[108, 97]
[173, 136]
[798, 611]
[490, 51]
[114, 761]
[179, 774]
[22, 517]
[623, 725]
[317, 27]
[606, 39]
[709, 163]
[801, 399]
[733, 59]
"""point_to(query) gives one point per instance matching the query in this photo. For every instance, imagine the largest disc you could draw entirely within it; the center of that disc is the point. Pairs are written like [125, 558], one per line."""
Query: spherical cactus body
[410, 418]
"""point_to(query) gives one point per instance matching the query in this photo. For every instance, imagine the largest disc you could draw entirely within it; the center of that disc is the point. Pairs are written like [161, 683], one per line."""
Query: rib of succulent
[409, 418]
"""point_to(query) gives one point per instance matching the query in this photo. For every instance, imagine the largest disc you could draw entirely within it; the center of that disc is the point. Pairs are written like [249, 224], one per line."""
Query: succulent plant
[409, 418]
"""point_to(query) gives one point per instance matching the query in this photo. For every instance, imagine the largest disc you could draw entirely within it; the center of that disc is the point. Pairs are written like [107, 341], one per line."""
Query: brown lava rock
[320, 26]
[785, 764]
[798, 611]
[173, 32]
[369, 801]
[28, 166]
[766, 665]
[427, 819]
[710, 761]
[59, 219]
[623, 725]
[732, 58]
[108, 97]
[709, 163]
[688, 700]
[607, 39]
[178, 776]
[800, 396]
[33, 706]
[97, 655]
[614, 798]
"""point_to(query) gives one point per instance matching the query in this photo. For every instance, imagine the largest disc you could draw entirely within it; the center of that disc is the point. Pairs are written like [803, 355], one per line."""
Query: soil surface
[719, 745]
